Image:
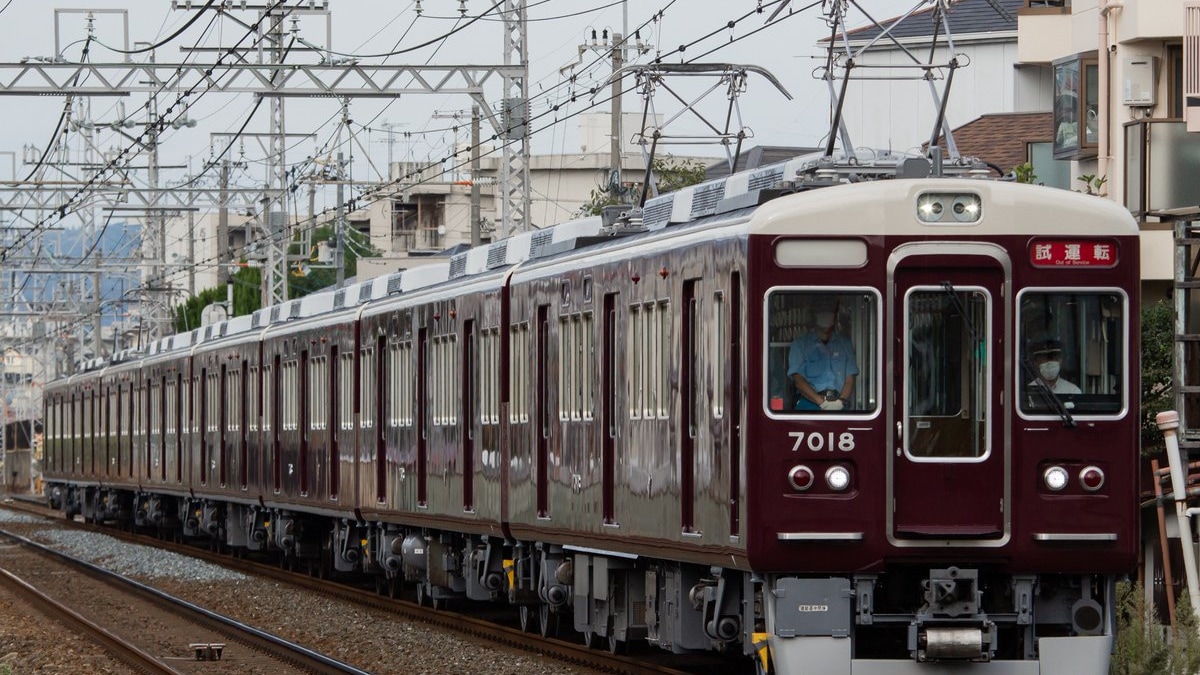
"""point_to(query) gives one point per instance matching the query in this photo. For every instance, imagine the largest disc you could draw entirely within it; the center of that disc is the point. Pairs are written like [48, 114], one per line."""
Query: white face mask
[1049, 370]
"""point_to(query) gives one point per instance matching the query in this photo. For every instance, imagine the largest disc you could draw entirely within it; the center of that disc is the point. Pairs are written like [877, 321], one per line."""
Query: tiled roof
[1001, 138]
[966, 17]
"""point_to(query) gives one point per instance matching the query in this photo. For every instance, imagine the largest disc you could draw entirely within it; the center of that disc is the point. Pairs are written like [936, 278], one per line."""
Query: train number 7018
[820, 442]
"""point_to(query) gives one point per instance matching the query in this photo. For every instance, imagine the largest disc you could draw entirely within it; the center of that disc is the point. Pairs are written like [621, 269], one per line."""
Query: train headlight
[801, 477]
[949, 208]
[966, 208]
[1055, 478]
[837, 478]
[930, 208]
[1091, 478]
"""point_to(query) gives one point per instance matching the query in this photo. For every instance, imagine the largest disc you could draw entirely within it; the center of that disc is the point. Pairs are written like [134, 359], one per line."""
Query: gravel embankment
[374, 641]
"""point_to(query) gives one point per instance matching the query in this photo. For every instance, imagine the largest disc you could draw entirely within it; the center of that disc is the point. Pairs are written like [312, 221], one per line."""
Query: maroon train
[595, 423]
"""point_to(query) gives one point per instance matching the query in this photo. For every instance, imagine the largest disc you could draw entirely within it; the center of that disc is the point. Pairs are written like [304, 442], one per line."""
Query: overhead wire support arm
[653, 77]
[845, 61]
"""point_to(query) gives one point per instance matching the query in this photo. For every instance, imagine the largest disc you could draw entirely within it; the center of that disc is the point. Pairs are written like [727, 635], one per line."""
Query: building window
[1076, 106]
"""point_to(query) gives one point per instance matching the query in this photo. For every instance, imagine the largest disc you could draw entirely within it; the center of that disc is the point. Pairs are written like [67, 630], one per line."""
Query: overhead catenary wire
[377, 192]
[62, 210]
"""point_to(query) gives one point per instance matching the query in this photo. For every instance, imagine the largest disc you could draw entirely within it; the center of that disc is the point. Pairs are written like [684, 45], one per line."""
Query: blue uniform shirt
[825, 365]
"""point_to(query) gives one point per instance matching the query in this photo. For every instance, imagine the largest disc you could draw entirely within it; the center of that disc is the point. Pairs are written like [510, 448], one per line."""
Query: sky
[423, 130]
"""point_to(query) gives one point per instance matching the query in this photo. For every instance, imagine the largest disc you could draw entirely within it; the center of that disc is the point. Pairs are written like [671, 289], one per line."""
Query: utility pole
[267, 76]
[618, 62]
[276, 276]
[475, 212]
[340, 226]
[514, 167]
[616, 52]
[476, 237]
[391, 142]
[222, 229]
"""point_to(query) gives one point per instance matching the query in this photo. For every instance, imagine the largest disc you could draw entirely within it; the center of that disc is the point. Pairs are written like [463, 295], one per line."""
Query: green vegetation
[1024, 173]
[247, 296]
[1144, 646]
[669, 175]
[1093, 184]
[1158, 394]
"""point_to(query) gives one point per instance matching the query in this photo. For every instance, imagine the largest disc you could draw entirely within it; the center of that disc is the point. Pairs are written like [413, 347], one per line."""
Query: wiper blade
[961, 309]
[1048, 397]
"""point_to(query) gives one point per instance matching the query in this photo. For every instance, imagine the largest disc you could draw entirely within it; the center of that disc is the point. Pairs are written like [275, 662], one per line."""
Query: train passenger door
[948, 467]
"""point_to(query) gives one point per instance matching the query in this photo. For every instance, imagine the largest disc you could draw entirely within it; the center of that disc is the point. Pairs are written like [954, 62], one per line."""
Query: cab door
[948, 465]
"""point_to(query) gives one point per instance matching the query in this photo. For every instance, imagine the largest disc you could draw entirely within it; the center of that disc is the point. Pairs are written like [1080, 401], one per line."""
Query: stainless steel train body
[601, 425]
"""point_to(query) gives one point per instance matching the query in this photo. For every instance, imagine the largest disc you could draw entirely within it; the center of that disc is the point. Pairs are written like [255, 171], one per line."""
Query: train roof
[734, 197]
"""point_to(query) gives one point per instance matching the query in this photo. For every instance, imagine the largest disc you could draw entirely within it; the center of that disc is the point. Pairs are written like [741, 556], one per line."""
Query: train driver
[821, 364]
[1047, 358]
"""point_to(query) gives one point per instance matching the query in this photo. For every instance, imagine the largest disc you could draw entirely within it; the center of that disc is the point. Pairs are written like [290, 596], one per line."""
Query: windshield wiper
[1048, 397]
[961, 309]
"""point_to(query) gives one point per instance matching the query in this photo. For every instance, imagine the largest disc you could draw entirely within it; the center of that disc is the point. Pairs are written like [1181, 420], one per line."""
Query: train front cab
[952, 511]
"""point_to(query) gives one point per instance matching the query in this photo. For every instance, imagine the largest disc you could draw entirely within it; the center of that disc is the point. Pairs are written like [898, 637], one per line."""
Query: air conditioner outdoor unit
[1191, 64]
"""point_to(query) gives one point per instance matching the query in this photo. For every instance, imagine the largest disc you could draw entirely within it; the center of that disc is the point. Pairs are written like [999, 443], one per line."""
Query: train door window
[268, 402]
[318, 381]
[233, 400]
[717, 360]
[395, 384]
[345, 391]
[400, 382]
[291, 387]
[822, 349]
[252, 399]
[947, 399]
[566, 367]
[635, 361]
[366, 384]
[489, 369]
[518, 375]
[587, 361]
[1072, 352]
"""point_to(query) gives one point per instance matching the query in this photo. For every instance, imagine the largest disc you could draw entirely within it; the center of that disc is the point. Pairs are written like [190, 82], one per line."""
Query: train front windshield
[1072, 347]
[822, 352]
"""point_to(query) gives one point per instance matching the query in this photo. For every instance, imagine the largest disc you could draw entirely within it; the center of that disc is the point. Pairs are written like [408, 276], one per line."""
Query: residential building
[1119, 106]
[890, 105]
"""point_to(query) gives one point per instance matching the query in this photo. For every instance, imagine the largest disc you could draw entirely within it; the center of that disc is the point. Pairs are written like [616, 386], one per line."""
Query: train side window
[791, 325]
[1072, 352]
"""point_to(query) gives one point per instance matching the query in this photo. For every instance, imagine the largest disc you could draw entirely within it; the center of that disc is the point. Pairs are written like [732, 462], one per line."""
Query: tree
[1158, 359]
[669, 175]
[247, 281]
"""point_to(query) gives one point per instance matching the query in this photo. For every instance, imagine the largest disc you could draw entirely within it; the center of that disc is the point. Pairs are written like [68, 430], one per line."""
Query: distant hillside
[117, 240]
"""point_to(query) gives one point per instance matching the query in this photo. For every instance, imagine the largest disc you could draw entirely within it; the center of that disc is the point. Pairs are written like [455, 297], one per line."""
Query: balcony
[1162, 161]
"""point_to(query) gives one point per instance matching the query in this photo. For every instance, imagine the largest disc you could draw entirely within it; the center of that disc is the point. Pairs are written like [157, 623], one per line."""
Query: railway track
[487, 625]
[149, 630]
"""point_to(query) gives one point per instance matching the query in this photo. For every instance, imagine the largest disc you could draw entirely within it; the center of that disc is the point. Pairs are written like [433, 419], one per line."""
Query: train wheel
[526, 618]
[590, 640]
[547, 621]
[394, 588]
[422, 594]
[616, 646]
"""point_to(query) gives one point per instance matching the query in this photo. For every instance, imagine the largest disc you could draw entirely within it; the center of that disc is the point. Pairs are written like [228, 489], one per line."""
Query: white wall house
[1118, 73]
[900, 114]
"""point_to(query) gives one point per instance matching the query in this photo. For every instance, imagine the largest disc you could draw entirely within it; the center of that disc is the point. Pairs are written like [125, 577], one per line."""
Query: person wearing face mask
[1047, 358]
[821, 365]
